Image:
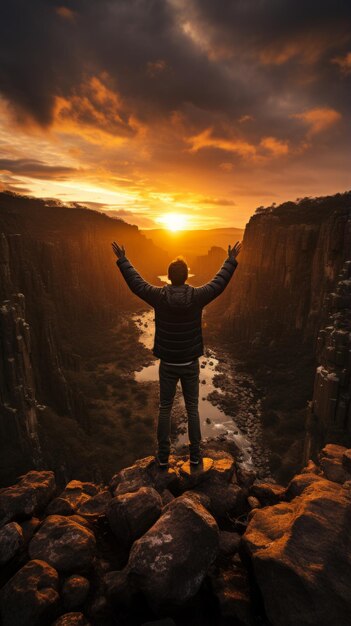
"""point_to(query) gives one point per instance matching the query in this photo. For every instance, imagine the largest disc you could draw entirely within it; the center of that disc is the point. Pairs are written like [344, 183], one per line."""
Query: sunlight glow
[173, 221]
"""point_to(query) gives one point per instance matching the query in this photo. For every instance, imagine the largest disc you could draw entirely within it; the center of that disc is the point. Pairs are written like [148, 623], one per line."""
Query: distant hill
[193, 243]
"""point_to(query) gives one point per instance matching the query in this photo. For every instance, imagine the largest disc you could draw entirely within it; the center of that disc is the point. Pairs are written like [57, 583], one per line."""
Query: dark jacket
[178, 310]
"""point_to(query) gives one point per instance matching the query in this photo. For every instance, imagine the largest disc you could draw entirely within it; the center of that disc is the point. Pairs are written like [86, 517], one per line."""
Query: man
[178, 339]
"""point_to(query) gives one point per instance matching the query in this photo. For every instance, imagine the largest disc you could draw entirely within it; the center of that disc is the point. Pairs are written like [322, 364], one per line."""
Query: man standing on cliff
[178, 339]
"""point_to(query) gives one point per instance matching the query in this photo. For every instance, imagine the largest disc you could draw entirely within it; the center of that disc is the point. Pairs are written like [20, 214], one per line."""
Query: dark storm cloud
[215, 60]
[138, 43]
[36, 169]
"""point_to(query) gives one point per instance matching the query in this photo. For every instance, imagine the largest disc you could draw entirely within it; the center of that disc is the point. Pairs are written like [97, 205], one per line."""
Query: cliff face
[273, 309]
[59, 264]
[19, 423]
[330, 409]
[286, 268]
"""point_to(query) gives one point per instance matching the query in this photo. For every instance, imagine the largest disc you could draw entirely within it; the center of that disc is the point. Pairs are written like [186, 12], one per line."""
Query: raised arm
[206, 293]
[139, 286]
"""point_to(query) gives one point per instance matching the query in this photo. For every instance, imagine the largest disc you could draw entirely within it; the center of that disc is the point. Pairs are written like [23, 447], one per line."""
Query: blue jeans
[189, 378]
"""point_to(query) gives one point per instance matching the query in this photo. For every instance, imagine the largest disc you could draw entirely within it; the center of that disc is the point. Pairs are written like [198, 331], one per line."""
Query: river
[229, 402]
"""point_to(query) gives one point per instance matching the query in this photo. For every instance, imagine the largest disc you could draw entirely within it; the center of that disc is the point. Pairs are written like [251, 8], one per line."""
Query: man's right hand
[234, 251]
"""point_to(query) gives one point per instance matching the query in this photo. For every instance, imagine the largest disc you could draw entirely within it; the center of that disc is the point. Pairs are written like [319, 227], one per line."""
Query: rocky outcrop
[184, 539]
[300, 547]
[18, 404]
[329, 416]
[290, 260]
[29, 496]
[168, 550]
[30, 596]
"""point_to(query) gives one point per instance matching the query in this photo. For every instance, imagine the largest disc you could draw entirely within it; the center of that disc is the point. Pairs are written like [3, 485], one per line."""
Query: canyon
[92, 531]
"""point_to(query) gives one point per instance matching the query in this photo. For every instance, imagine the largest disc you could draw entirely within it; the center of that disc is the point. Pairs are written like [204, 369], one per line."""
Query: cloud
[344, 63]
[319, 119]
[205, 139]
[145, 99]
[36, 169]
[275, 146]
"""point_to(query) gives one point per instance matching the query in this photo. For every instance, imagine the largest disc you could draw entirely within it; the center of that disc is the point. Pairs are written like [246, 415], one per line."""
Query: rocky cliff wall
[329, 417]
[59, 264]
[286, 269]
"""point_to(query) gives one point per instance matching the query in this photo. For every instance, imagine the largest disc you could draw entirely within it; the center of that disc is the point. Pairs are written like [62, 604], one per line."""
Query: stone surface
[224, 497]
[346, 460]
[301, 555]
[96, 505]
[130, 515]
[229, 542]
[30, 596]
[63, 543]
[74, 591]
[192, 475]
[230, 586]
[331, 459]
[71, 619]
[169, 562]
[30, 495]
[267, 493]
[74, 496]
[11, 541]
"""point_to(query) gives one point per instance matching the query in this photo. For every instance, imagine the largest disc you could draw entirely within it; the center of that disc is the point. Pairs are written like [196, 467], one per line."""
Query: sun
[173, 221]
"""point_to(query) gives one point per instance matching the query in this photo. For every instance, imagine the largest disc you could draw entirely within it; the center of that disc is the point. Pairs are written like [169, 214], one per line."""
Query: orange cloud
[206, 140]
[344, 63]
[318, 119]
[275, 146]
[65, 13]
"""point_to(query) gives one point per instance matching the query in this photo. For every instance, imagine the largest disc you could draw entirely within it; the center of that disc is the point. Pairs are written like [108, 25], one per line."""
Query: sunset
[175, 313]
[141, 109]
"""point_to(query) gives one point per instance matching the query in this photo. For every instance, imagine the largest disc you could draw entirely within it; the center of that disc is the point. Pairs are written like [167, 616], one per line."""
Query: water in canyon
[229, 403]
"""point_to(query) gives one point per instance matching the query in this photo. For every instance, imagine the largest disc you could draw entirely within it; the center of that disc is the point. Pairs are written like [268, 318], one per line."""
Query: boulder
[130, 515]
[332, 463]
[11, 541]
[31, 596]
[169, 562]
[75, 590]
[75, 494]
[30, 495]
[246, 476]
[311, 468]
[29, 526]
[63, 543]
[301, 555]
[253, 502]
[267, 493]
[346, 460]
[71, 619]
[229, 542]
[225, 498]
[166, 496]
[299, 483]
[231, 588]
[132, 478]
[95, 506]
[193, 475]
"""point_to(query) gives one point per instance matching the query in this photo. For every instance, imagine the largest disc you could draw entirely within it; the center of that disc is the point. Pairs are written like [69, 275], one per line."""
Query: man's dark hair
[178, 271]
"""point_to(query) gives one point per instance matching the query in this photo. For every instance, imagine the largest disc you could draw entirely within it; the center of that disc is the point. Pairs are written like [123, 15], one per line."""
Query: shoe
[195, 459]
[162, 461]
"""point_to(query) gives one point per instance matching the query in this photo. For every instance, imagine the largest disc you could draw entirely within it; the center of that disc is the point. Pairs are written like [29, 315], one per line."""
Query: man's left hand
[118, 250]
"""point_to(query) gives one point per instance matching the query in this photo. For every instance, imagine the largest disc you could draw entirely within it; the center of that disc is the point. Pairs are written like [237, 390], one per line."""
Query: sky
[198, 109]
